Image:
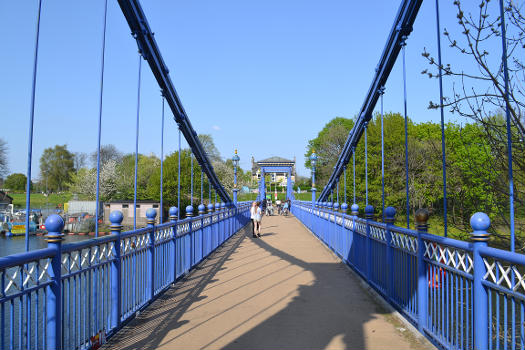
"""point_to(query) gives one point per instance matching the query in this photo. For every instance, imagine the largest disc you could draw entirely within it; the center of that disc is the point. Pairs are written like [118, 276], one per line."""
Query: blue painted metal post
[422, 278]
[235, 160]
[390, 216]
[189, 214]
[174, 214]
[31, 123]
[366, 164]
[369, 216]
[54, 225]
[382, 92]
[178, 181]
[336, 205]
[202, 211]
[191, 190]
[480, 223]
[263, 186]
[161, 212]
[353, 167]
[354, 212]
[313, 161]
[443, 154]
[103, 56]
[137, 147]
[151, 214]
[116, 218]
[344, 174]
[202, 187]
[289, 189]
[508, 124]
[403, 45]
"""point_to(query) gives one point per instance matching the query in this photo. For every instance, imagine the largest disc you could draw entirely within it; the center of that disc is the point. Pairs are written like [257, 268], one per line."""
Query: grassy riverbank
[38, 200]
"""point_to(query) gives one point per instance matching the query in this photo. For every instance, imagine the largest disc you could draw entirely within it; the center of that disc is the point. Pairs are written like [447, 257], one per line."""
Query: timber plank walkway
[282, 291]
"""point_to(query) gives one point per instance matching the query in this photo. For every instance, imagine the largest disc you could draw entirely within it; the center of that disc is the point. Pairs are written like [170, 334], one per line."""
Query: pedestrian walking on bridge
[253, 213]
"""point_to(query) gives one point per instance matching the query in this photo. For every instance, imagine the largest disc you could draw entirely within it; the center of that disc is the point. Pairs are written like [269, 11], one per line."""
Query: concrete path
[282, 291]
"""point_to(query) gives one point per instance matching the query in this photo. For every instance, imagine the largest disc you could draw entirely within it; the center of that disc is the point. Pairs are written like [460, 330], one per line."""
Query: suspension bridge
[323, 277]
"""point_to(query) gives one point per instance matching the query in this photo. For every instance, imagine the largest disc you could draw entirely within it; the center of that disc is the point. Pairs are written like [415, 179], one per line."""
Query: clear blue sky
[259, 76]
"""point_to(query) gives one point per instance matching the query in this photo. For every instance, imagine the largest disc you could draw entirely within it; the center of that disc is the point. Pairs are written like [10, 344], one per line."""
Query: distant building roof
[275, 160]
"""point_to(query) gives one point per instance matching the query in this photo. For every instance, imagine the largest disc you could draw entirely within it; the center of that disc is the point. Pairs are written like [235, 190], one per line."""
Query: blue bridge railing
[457, 293]
[73, 296]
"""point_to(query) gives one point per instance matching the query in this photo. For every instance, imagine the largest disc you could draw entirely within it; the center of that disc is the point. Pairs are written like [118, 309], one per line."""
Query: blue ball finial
[201, 208]
[390, 213]
[189, 210]
[344, 207]
[355, 209]
[223, 205]
[217, 206]
[336, 206]
[480, 222]
[151, 214]
[210, 207]
[54, 224]
[369, 209]
[174, 211]
[115, 218]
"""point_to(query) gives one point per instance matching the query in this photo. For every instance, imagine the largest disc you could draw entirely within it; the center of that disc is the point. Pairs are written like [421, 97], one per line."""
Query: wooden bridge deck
[282, 291]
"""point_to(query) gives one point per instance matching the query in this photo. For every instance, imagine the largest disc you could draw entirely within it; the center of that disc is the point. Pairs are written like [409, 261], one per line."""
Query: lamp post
[313, 161]
[235, 160]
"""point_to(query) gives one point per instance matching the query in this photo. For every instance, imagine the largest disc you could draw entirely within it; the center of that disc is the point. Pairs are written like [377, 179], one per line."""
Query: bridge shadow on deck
[254, 294]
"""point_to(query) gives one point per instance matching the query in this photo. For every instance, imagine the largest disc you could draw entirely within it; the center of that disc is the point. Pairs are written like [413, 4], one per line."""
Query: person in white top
[253, 213]
[258, 218]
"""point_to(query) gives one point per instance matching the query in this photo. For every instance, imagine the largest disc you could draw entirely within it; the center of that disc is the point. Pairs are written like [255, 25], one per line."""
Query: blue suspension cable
[444, 165]
[137, 147]
[382, 92]
[509, 135]
[344, 174]
[162, 164]
[338, 191]
[403, 45]
[366, 164]
[202, 187]
[191, 191]
[100, 115]
[353, 166]
[31, 123]
[178, 183]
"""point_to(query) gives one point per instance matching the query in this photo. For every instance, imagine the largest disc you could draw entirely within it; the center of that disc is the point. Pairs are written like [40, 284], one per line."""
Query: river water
[14, 245]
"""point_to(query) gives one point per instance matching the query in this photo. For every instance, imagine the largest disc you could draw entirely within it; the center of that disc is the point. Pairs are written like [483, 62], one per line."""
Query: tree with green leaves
[56, 167]
[328, 145]
[480, 95]
[470, 182]
[16, 182]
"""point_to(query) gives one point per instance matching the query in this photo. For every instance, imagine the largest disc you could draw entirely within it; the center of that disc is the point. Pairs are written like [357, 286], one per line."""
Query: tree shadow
[150, 326]
[317, 316]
